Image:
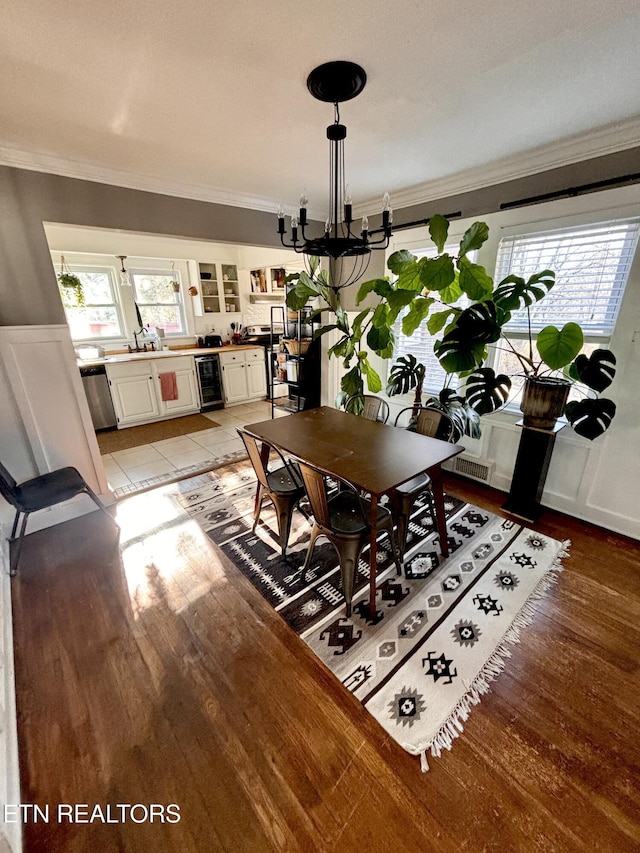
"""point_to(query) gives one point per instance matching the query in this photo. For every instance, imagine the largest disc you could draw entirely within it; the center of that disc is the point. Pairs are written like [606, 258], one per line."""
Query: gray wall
[28, 291]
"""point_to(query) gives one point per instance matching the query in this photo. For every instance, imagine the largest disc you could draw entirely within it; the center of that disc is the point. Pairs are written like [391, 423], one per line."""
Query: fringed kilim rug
[441, 632]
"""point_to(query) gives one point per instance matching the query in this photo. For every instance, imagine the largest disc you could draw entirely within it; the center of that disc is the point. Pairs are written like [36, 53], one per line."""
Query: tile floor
[149, 465]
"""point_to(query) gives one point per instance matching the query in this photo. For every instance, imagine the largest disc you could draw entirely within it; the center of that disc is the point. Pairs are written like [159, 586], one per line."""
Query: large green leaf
[486, 392]
[597, 371]
[474, 280]
[404, 375]
[407, 267]
[351, 383]
[480, 323]
[438, 320]
[458, 354]
[379, 338]
[590, 418]
[450, 295]
[514, 292]
[374, 383]
[473, 238]
[437, 273]
[558, 347]
[376, 285]
[439, 230]
[415, 315]
[300, 294]
[399, 261]
[397, 299]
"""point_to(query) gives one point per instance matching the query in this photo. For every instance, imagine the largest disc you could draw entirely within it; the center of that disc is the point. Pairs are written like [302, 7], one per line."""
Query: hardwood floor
[150, 672]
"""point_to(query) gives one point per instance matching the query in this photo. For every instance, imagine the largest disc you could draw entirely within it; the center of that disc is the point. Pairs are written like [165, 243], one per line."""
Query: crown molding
[606, 140]
[36, 162]
[574, 149]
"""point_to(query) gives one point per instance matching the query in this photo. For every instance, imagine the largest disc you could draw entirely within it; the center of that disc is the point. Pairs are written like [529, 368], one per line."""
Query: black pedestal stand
[530, 473]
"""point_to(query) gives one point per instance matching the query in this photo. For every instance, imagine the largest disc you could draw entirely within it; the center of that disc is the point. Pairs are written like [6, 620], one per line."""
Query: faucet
[142, 332]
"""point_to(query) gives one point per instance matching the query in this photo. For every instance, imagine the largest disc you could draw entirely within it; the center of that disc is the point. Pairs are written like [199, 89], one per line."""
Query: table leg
[373, 551]
[438, 501]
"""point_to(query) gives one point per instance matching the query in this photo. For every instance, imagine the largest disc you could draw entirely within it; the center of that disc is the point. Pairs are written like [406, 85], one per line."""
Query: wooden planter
[543, 401]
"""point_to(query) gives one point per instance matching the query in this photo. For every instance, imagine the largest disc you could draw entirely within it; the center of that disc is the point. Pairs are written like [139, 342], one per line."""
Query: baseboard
[10, 833]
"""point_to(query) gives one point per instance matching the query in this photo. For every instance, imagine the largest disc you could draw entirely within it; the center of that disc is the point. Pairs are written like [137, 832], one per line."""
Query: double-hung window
[591, 263]
[100, 316]
[158, 302]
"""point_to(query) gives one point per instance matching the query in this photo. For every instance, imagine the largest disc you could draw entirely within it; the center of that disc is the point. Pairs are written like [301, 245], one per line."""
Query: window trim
[149, 271]
[111, 273]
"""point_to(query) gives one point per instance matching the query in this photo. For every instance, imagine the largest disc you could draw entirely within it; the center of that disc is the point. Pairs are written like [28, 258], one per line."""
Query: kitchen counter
[118, 358]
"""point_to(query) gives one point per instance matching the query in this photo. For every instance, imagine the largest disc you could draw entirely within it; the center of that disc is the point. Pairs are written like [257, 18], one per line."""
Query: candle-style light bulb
[365, 226]
[294, 228]
[281, 219]
[387, 212]
[327, 227]
[304, 201]
[348, 209]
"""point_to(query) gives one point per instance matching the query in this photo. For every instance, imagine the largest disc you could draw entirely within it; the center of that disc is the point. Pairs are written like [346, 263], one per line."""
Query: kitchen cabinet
[136, 394]
[219, 288]
[188, 397]
[133, 392]
[243, 375]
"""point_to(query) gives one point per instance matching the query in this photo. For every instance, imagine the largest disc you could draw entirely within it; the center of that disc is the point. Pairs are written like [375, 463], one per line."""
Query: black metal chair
[368, 406]
[283, 485]
[343, 518]
[38, 493]
[435, 424]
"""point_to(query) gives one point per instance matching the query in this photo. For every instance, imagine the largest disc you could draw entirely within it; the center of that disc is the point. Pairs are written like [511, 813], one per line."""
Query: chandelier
[335, 82]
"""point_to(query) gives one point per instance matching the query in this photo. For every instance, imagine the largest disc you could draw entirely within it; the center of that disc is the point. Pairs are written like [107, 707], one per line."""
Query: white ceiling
[208, 99]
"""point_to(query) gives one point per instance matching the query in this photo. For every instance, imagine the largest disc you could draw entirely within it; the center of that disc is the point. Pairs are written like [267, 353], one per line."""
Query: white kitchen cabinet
[243, 375]
[188, 397]
[256, 376]
[133, 391]
[136, 393]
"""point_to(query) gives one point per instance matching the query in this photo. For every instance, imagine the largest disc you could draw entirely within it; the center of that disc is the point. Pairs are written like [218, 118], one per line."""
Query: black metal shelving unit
[294, 360]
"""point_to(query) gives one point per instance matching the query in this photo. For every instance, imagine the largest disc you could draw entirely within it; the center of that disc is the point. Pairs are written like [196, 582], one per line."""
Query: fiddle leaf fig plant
[430, 290]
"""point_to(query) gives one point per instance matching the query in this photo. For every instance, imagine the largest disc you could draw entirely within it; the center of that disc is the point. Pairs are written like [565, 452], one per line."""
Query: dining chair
[343, 517]
[368, 406]
[38, 493]
[282, 484]
[435, 424]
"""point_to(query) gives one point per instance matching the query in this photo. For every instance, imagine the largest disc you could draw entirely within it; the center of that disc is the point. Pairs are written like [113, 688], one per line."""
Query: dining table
[372, 456]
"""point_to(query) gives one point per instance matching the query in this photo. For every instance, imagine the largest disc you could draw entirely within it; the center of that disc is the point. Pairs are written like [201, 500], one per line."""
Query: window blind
[591, 264]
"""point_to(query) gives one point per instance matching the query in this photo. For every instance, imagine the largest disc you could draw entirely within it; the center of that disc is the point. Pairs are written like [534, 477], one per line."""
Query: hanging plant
[70, 286]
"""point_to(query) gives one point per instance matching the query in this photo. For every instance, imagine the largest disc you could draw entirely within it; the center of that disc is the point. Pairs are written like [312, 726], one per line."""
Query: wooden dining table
[372, 456]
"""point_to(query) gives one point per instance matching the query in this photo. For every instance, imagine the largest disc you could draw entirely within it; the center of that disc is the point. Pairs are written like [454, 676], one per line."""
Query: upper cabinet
[219, 288]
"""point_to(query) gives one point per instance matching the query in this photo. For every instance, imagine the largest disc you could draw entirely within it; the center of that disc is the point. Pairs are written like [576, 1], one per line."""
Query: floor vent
[475, 469]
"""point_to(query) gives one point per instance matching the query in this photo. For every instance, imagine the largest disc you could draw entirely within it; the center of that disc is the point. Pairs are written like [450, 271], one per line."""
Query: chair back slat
[314, 485]
[253, 452]
[429, 421]
[368, 406]
[8, 486]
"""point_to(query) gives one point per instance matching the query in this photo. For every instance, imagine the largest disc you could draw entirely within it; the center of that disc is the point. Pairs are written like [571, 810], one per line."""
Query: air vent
[475, 469]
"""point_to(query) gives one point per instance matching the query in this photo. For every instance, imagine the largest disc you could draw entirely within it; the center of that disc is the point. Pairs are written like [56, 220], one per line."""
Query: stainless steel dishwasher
[96, 387]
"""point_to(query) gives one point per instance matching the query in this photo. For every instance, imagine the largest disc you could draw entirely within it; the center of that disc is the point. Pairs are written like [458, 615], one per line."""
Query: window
[100, 316]
[157, 300]
[591, 264]
[420, 344]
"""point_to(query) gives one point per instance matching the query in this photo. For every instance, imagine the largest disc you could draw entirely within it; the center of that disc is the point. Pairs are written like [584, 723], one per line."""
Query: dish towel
[168, 386]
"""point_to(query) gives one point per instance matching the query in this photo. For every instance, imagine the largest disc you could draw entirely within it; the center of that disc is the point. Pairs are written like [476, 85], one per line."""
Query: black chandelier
[335, 82]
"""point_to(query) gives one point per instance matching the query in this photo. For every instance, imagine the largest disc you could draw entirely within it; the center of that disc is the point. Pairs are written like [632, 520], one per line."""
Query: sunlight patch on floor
[165, 555]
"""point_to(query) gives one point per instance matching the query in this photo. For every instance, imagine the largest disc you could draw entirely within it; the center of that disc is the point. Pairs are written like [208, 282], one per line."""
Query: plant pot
[543, 400]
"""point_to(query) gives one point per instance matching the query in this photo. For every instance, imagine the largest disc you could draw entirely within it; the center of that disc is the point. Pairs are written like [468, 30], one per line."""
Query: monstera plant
[466, 313]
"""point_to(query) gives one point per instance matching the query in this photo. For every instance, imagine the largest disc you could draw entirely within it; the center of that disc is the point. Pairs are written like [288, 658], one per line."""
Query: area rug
[441, 633]
[123, 439]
